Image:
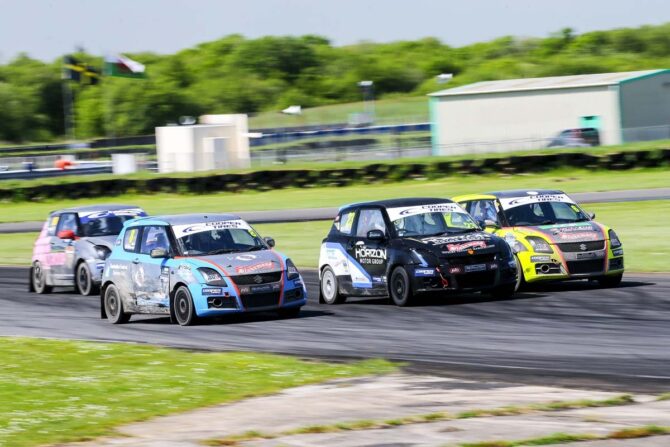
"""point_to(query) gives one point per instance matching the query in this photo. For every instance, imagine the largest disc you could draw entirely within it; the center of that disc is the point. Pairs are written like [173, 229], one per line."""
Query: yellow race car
[551, 236]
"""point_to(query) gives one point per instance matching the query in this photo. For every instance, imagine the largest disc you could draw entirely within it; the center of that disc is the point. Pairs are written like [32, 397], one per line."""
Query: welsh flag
[121, 66]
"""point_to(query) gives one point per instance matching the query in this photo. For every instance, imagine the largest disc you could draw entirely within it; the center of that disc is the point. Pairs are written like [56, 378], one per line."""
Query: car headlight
[514, 243]
[614, 239]
[102, 252]
[291, 270]
[212, 277]
[539, 245]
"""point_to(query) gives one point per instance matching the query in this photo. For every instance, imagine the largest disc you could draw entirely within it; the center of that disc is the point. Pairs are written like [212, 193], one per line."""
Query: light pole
[367, 88]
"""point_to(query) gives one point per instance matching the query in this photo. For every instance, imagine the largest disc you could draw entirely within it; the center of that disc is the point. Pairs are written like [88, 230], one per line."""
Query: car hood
[562, 233]
[458, 244]
[247, 263]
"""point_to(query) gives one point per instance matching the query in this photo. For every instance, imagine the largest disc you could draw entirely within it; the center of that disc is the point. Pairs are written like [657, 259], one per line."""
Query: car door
[61, 255]
[151, 275]
[371, 255]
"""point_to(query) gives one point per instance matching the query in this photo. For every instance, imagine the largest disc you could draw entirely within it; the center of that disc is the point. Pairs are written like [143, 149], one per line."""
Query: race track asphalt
[572, 334]
[311, 214]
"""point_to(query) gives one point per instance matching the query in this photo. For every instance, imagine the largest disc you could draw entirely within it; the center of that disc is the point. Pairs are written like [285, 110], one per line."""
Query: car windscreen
[106, 223]
[538, 209]
[213, 238]
[431, 220]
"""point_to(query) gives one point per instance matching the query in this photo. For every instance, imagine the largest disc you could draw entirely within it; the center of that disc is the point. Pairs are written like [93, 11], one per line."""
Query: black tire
[610, 281]
[400, 288]
[184, 310]
[330, 292]
[84, 280]
[289, 312]
[38, 280]
[505, 291]
[114, 306]
[520, 280]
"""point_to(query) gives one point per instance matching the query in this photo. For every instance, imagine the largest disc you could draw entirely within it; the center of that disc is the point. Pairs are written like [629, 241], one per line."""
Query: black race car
[403, 247]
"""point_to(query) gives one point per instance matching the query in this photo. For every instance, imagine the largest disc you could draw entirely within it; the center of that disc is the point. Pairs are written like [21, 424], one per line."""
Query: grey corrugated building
[526, 113]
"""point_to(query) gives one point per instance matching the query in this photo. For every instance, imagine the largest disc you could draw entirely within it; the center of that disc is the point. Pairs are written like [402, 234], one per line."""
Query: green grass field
[392, 110]
[57, 391]
[636, 224]
[569, 180]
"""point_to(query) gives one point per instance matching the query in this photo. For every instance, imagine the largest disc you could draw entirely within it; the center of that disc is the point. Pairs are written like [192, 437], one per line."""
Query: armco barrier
[375, 172]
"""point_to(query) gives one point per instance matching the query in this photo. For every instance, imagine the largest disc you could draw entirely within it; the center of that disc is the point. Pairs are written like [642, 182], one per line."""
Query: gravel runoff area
[397, 396]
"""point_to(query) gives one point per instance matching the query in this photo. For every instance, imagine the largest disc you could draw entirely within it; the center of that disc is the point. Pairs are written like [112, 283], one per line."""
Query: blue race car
[197, 265]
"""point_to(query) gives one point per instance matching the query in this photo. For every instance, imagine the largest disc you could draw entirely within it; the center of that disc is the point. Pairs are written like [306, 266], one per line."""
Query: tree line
[239, 75]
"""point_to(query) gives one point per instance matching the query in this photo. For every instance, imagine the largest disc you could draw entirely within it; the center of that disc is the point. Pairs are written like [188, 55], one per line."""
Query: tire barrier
[265, 180]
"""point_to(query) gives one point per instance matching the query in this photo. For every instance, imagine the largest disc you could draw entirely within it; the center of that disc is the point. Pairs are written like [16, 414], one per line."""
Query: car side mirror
[592, 215]
[487, 223]
[158, 253]
[376, 235]
[270, 241]
[66, 234]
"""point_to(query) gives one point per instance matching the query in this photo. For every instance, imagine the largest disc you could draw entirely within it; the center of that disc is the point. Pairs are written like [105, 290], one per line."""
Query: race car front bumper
[463, 278]
[562, 265]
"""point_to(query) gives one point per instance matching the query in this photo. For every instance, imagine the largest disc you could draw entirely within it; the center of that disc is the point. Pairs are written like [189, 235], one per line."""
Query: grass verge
[564, 438]
[571, 181]
[367, 424]
[302, 240]
[58, 391]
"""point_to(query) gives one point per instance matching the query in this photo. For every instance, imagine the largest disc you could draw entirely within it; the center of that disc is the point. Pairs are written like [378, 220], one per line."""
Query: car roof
[523, 192]
[185, 219]
[93, 208]
[394, 203]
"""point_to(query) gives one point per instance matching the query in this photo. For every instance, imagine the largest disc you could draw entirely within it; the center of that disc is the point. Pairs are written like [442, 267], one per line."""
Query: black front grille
[472, 259]
[476, 279]
[590, 266]
[245, 280]
[571, 247]
[260, 300]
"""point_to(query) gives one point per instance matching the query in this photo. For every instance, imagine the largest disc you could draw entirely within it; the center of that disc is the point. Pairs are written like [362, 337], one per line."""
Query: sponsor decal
[245, 257]
[424, 272]
[184, 272]
[209, 291]
[470, 246]
[183, 230]
[617, 252]
[533, 197]
[541, 258]
[366, 255]
[474, 268]
[569, 229]
[132, 212]
[456, 239]
[578, 236]
[118, 269]
[254, 267]
[399, 213]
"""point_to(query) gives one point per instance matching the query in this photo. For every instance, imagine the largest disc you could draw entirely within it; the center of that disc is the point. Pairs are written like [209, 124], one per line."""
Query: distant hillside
[235, 74]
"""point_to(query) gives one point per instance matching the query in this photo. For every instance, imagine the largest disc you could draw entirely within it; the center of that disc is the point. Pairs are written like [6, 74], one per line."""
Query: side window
[67, 221]
[153, 237]
[130, 239]
[482, 210]
[370, 219]
[344, 222]
[52, 224]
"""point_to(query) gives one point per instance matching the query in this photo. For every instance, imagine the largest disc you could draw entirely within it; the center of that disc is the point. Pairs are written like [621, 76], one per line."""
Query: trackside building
[519, 114]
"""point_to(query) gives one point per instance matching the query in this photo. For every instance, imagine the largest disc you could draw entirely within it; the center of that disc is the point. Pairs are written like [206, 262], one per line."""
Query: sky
[47, 29]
